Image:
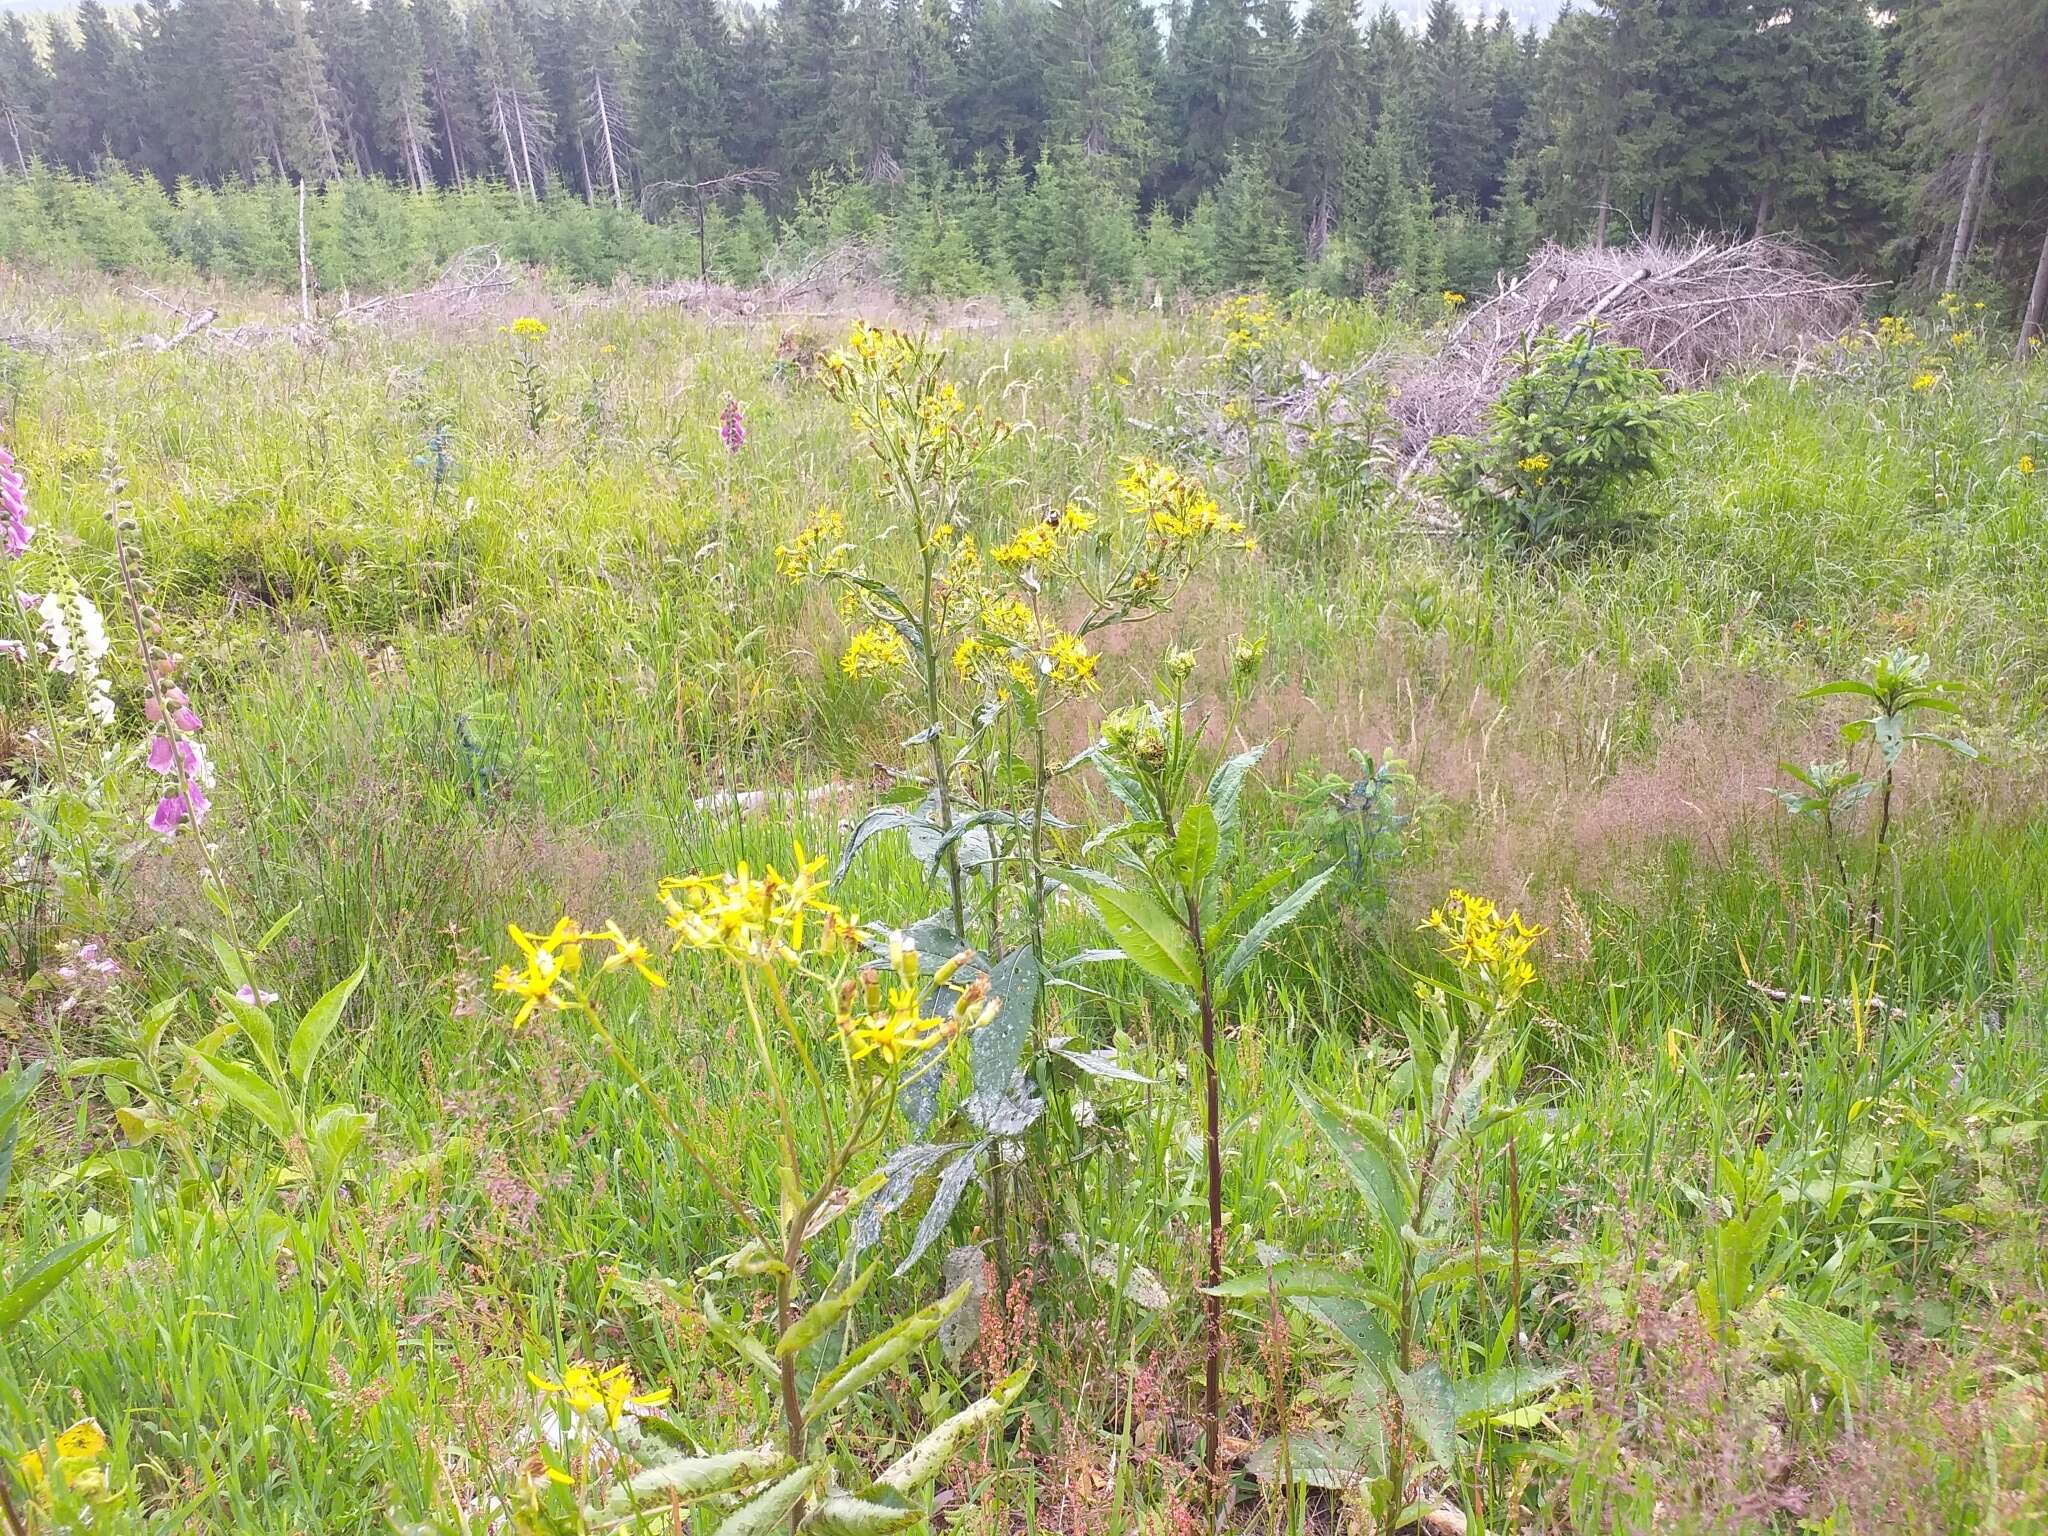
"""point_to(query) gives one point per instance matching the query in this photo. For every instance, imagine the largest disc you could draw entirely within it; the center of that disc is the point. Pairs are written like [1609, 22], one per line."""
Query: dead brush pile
[1696, 312]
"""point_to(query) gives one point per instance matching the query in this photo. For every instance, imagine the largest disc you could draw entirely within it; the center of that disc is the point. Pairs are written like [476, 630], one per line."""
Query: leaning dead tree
[1696, 312]
[660, 198]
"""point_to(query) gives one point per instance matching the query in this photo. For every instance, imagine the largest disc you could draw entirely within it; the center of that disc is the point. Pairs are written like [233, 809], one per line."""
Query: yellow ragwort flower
[1923, 382]
[587, 1389]
[527, 328]
[1453, 298]
[873, 651]
[762, 919]
[2026, 463]
[1482, 942]
[550, 962]
[1537, 464]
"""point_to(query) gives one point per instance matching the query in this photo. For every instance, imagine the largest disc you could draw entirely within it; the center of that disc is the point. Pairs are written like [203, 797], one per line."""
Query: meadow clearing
[1686, 1176]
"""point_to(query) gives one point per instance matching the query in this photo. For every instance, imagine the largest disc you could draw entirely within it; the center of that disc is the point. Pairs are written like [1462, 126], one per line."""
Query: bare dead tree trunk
[448, 133]
[1600, 221]
[2037, 301]
[604, 127]
[305, 276]
[583, 159]
[416, 163]
[329, 164]
[525, 150]
[14, 133]
[1657, 217]
[1763, 208]
[505, 138]
[1973, 198]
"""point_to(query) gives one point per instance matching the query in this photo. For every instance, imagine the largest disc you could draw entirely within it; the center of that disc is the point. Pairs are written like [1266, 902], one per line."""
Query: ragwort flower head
[1486, 945]
[589, 1390]
[882, 1016]
[818, 549]
[527, 328]
[873, 651]
[760, 920]
[546, 979]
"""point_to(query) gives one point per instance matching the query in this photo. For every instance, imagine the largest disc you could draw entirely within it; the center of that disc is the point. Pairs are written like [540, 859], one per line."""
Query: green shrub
[1580, 422]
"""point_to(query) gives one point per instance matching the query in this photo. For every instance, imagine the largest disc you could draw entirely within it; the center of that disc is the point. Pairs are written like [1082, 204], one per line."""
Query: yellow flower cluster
[547, 976]
[1175, 507]
[1922, 382]
[1246, 324]
[817, 549]
[1480, 941]
[1015, 645]
[81, 1451]
[1893, 331]
[759, 920]
[2026, 463]
[873, 651]
[875, 348]
[587, 1389]
[1453, 299]
[527, 328]
[888, 1025]
[1536, 464]
[1040, 540]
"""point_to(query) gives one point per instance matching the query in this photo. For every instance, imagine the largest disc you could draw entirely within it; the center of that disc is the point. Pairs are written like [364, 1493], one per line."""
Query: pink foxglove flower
[732, 426]
[254, 997]
[173, 810]
[14, 507]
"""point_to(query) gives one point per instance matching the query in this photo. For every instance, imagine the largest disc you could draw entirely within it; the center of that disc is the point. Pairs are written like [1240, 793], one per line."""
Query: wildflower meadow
[621, 916]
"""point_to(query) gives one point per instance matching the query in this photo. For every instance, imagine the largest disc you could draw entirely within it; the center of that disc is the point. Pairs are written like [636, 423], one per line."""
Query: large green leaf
[1358, 1323]
[1480, 1397]
[820, 1319]
[770, 1509]
[1194, 846]
[12, 1097]
[1316, 1460]
[1367, 1152]
[310, 1038]
[1286, 1280]
[690, 1478]
[35, 1283]
[879, 1355]
[1839, 1346]
[1226, 792]
[874, 1513]
[1148, 933]
[248, 1090]
[1431, 1411]
[928, 1458]
[256, 1025]
[1277, 917]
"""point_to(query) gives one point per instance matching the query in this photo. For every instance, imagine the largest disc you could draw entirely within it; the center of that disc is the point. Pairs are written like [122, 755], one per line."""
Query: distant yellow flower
[586, 1389]
[2026, 463]
[1452, 298]
[1923, 382]
[1958, 338]
[527, 328]
[550, 962]
[873, 651]
[816, 550]
[1537, 464]
[1031, 543]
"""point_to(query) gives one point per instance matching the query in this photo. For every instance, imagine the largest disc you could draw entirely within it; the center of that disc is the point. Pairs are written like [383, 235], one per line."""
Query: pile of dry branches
[1696, 312]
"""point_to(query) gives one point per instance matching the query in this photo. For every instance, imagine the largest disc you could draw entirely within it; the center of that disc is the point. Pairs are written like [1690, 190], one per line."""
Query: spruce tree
[24, 95]
[1323, 113]
[401, 127]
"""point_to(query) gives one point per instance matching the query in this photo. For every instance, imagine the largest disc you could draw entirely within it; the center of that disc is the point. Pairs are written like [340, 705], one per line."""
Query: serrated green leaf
[1194, 846]
[820, 1319]
[691, 1478]
[1492, 1393]
[1147, 933]
[770, 1509]
[879, 1356]
[929, 1457]
[1431, 1412]
[1286, 1280]
[1226, 792]
[1277, 917]
[1367, 1152]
